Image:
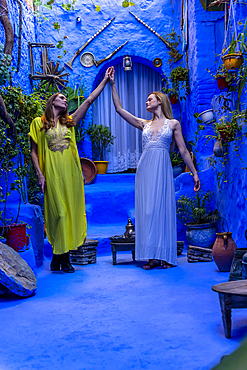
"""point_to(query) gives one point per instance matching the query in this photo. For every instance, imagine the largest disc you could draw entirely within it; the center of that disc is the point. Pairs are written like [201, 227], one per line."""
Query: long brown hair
[165, 104]
[48, 116]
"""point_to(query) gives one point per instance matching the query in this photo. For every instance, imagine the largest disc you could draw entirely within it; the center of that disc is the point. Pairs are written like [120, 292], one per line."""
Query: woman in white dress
[155, 205]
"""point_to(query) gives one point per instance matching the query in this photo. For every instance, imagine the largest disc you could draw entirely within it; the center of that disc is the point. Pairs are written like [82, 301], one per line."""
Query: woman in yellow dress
[56, 161]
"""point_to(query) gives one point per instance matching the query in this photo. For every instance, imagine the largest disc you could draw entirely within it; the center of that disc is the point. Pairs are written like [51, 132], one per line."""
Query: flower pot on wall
[233, 61]
[16, 236]
[227, 134]
[173, 99]
[101, 167]
[201, 235]
[221, 83]
[223, 251]
[207, 116]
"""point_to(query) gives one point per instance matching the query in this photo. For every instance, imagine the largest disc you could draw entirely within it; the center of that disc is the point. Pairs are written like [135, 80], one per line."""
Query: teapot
[130, 230]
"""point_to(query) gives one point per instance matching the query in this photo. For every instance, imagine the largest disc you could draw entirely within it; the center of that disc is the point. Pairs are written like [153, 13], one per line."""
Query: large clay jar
[223, 251]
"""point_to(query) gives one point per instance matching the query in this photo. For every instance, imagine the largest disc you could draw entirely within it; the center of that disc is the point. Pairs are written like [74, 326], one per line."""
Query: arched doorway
[133, 88]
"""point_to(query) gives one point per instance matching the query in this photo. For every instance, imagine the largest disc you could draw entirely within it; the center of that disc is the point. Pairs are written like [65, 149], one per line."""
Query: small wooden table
[118, 247]
[232, 294]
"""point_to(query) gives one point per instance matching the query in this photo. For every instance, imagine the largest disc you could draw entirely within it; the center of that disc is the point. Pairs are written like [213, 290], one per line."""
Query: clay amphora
[223, 251]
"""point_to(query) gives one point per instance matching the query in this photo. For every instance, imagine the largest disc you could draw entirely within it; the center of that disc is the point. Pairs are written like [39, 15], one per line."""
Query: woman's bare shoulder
[174, 123]
[145, 122]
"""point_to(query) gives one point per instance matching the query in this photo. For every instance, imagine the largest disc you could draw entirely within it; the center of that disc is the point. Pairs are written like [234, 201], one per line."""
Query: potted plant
[102, 139]
[179, 81]
[172, 94]
[234, 57]
[198, 217]
[177, 163]
[206, 116]
[14, 160]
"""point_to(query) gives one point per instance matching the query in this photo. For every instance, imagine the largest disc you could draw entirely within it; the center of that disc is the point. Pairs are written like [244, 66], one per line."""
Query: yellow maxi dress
[65, 216]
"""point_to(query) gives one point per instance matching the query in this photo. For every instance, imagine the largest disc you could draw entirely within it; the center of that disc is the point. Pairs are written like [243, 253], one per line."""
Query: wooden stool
[119, 247]
[232, 294]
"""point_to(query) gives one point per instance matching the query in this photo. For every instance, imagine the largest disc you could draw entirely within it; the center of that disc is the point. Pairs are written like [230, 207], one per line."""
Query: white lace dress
[155, 205]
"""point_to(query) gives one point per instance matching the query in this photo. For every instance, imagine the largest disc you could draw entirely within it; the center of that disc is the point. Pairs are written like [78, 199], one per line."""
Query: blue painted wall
[28, 35]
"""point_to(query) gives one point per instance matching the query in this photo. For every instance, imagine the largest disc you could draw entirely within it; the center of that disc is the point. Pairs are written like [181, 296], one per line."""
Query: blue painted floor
[119, 318]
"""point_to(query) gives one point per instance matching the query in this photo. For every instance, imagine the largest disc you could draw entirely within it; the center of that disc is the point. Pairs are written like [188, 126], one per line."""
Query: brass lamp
[127, 63]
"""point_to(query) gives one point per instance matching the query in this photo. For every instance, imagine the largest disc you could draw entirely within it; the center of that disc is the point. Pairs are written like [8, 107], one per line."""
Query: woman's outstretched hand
[196, 182]
[111, 75]
[107, 72]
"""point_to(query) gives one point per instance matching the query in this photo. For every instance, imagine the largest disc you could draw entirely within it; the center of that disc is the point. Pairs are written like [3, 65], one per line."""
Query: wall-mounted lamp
[127, 63]
[78, 20]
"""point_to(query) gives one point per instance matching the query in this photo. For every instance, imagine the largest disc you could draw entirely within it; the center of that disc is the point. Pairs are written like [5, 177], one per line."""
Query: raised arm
[184, 152]
[134, 121]
[82, 110]
[35, 160]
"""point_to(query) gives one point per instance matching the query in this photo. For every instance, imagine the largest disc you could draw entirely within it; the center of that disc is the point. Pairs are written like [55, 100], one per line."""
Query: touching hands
[196, 182]
[111, 75]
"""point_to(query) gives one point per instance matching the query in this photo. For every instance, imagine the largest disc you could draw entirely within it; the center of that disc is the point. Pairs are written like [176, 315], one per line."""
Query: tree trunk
[9, 35]
[11, 131]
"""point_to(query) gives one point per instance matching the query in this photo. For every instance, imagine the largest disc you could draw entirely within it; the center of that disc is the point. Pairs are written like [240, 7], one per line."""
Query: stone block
[84, 254]
[15, 274]
[198, 254]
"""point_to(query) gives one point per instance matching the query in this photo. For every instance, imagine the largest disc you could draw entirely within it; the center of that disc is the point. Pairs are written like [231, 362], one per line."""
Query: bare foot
[166, 265]
[151, 264]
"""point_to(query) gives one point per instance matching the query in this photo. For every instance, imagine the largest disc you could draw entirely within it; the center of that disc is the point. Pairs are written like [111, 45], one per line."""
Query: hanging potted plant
[179, 82]
[228, 126]
[102, 139]
[199, 219]
[233, 55]
[206, 116]
[224, 79]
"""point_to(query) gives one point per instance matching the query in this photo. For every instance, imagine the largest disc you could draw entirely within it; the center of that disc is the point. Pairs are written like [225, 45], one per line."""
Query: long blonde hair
[165, 104]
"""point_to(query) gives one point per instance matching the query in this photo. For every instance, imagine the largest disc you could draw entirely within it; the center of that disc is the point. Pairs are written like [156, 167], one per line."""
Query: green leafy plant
[127, 3]
[179, 82]
[174, 40]
[239, 41]
[196, 209]
[5, 69]
[101, 138]
[230, 78]
[228, 129]
[14, 160]
[176, 159]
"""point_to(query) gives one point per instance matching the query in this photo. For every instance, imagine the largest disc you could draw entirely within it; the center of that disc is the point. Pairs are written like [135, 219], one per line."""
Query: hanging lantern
[127, 63]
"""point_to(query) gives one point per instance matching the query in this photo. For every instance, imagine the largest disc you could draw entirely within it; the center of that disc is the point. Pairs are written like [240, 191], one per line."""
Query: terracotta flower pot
[223, 251]
[221, 82]
[233, 61]
[227, 133]
[173, 99]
